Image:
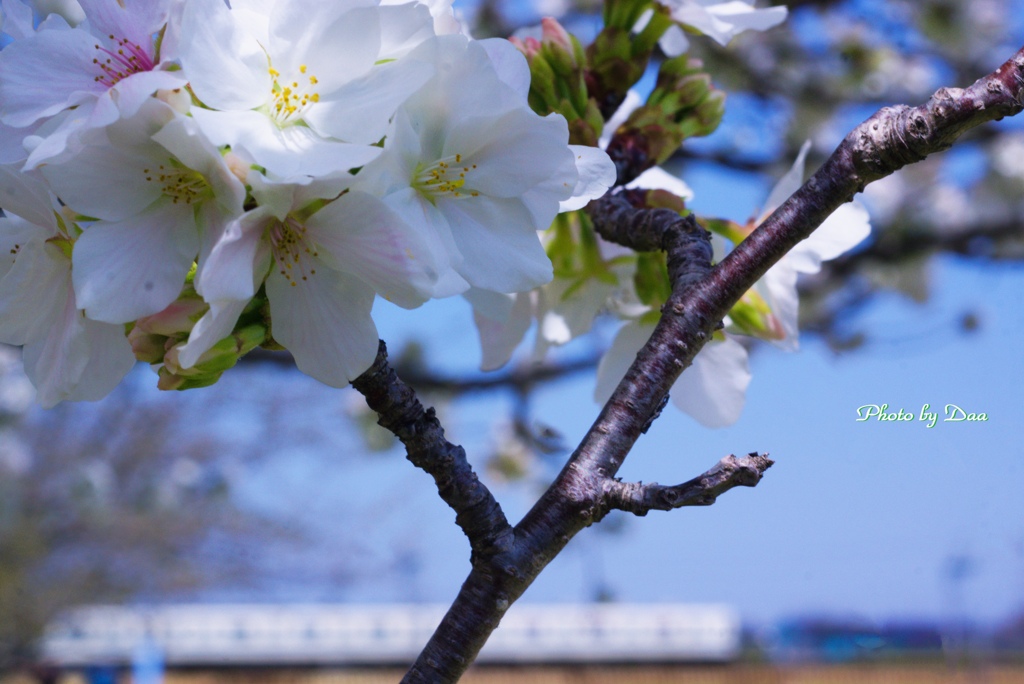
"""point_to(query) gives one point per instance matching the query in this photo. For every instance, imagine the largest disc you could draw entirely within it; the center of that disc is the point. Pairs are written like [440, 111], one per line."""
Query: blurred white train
[317, 635]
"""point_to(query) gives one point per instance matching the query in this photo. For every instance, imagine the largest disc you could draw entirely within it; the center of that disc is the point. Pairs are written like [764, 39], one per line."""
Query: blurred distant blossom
[720, 20]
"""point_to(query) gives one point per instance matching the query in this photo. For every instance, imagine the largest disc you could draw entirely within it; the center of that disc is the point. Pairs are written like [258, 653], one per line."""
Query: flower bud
[684, 104]
[219, 358]
[558, 67]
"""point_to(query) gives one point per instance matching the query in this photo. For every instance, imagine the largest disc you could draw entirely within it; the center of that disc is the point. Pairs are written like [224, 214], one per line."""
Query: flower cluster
[182, 181]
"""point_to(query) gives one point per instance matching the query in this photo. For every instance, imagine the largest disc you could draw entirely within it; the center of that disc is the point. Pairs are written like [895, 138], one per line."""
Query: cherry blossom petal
[325, 323]
[359, 234]
[214, 326]
[32, 293]
[46, 73]
[619, 357]
[501, 249]
[82, 360]
[713, 389]
[286, 152]
[501, 334]
[238, 262]
[136, 267]
[227, 66]
[359, 111]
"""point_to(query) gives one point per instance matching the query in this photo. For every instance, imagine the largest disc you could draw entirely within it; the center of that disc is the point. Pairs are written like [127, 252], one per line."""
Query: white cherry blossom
[305, 87]
[66, 355]
[174, 194]
[322, 273]
[103, 69]
[467, 158]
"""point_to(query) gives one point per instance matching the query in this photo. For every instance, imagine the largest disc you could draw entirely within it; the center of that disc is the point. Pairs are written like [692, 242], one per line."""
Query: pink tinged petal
[498, 240]
[126, 159]
[44, 74]
[465, 81]
[281, 197]
[325, 323]
[14, 233]
[360, 110]
[214, 326]
[596, 173]
[443, 17]
[84, 182]
[394, 169]
[26, 195]
[239, 261]
[713, 390]
[33, 293]
[359, 234]
[499, 336]
[56, 362]
[544, 200]
[135, 20]
[575, 313]
[227, 67]
[110, 359]
[82, 360]
[64, 14]
[620, 355]
[286, 152]
[136, 267]
[12, 143]
[417, 211]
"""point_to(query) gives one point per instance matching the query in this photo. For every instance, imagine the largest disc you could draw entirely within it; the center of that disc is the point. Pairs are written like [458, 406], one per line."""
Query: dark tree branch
[889, 140]
[687, 245]
[885, 143]
[477, 511]
[639, 498]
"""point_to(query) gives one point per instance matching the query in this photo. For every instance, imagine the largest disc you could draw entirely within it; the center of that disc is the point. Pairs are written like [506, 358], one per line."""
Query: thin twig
[639, 498]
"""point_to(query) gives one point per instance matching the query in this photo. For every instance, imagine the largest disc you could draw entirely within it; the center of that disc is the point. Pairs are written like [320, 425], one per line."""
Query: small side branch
[639, 498]
[477, 512]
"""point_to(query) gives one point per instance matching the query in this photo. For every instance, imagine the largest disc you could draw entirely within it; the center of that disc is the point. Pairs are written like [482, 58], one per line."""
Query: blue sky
[856, 518]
